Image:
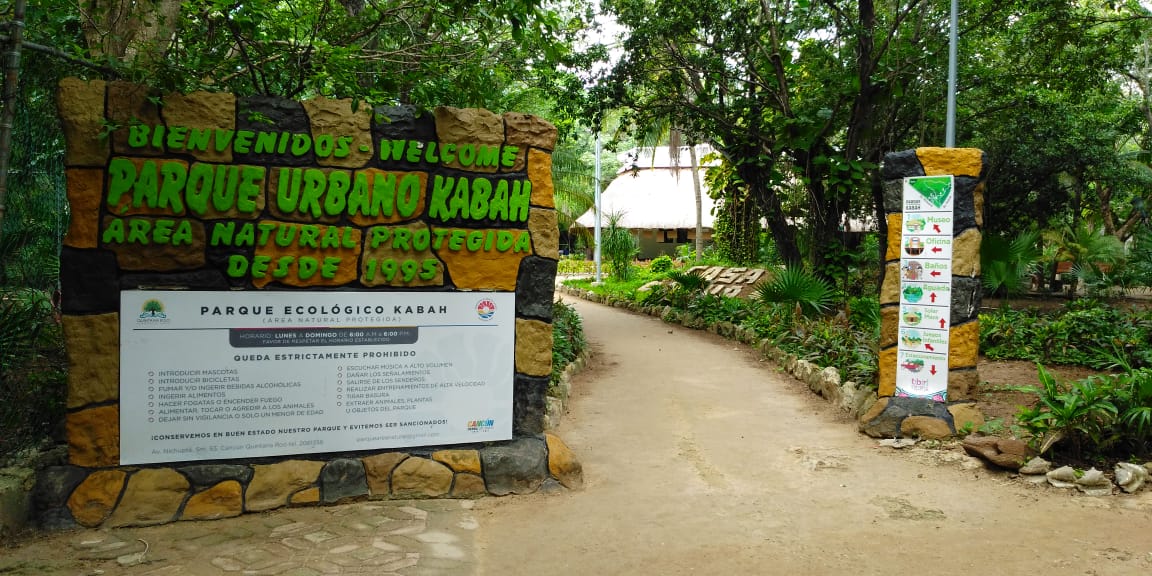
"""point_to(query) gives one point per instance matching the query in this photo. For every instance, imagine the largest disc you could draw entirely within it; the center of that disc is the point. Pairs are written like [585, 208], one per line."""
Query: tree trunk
[699, 202]
[783, 233]
[8, 113]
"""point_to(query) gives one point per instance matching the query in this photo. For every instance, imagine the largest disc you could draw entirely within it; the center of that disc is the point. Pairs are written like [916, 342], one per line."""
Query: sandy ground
[700, 459]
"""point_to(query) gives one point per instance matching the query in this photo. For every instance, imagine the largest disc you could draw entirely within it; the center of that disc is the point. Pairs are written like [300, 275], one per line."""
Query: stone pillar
[893, 416]
[122, 128]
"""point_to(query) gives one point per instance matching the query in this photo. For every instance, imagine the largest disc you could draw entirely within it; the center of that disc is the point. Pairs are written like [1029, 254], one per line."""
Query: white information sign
[925, 288]
[216, 375]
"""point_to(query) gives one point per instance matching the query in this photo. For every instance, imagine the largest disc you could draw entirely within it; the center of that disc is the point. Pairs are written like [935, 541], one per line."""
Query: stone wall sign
[731, 282]
[255, 277]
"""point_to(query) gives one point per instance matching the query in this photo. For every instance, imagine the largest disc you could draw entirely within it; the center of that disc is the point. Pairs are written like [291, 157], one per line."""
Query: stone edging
[849, 397]
[67, 496]
[558, 394]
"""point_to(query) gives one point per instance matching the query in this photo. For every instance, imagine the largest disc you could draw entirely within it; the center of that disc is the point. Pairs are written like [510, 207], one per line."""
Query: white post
[596, 250]
[950, 123]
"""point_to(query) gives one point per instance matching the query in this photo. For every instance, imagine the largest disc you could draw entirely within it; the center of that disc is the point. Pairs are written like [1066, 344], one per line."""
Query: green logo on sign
[934, 189]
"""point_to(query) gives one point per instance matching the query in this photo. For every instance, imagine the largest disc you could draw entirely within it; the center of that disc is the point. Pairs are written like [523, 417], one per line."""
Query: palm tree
[660, 131]
[1091, 252]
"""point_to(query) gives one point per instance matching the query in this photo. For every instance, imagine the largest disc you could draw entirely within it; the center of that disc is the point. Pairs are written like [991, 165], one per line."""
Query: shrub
[1086, 332]
[568, 340]
[619, 247]
[811, 293]
[661, 264]
[1105, 414]
[32, 376]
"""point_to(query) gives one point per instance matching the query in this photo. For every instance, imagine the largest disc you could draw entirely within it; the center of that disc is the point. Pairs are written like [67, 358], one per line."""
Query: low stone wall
[67, 496]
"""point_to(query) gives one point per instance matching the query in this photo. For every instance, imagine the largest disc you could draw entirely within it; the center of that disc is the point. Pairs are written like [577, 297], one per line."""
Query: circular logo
[485, 309]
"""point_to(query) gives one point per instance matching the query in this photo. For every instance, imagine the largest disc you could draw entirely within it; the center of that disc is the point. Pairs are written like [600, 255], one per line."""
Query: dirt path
[700, 459]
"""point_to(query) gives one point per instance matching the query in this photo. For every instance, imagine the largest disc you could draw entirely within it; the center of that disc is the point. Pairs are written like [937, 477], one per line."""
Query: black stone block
[535, 288]
[272, 114]
[529, 404]
[403, 122]
[89, 281]
[342, 478]
[518, 467]
[898, 165]
[207, 279]
[964, 207]
[208, 475]
[967, 294]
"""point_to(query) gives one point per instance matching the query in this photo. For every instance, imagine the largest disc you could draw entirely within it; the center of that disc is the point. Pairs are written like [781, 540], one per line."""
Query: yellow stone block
[483, 269]
[81, 107]
[272, 484]
[130, 105]
[890, 290]
[338, 254]
[390, 253]
[223, 500]
[469, 126]
[966, 253]
[153, 496]
[93, 345]
[378, 471]
[92, 501]
[203, 110]
[335, 118]
[562, 463]
[954, 161]
[306, 497]
[889, 325]
[94, 436]
[964, 345]
[420, 477]
[545, 233]
[887, 372]
[978, 200]
[533, 347]
[895, 229]
[468, 486]
[540, 174]
[85, 193]
[459, 460]
[925, 428]
[966, 416]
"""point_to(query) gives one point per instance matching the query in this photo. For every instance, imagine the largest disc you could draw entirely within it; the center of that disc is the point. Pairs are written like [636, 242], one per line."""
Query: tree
[785, 91]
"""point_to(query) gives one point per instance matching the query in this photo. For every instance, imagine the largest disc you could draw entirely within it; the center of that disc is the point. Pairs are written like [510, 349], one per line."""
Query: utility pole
[596, 249]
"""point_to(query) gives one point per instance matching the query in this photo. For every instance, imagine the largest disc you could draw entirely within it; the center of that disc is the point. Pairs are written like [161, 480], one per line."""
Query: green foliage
[568, 340]
[864, 314]
[32, 375]
[1007, 263]
[796, 286]
[1081, 415]
[829, 342]
[736, 226]
[1106, 414]
[661, 264]
[570, 265]
[618, 247]
[1085, 332]
[1091, 252]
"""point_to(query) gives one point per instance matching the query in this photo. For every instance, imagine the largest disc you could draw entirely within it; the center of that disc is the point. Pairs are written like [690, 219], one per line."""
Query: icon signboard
[925, 288]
